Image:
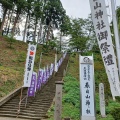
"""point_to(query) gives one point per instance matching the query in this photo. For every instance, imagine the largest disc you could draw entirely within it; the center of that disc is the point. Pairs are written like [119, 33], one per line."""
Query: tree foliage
[118, 17]
[45, 13]
[79, 37]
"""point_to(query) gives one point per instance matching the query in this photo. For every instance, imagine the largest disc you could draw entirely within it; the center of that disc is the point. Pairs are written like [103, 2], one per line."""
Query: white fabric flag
[55, 69]
[29, 65]
[51, 68]
[102, 29]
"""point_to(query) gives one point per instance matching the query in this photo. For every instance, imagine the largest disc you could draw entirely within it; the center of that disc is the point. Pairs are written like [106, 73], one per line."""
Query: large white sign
[102, 29]
[29, 65]
[87, 87]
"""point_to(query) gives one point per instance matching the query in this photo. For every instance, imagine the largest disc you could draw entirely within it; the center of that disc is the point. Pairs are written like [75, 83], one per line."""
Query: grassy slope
[12, 64]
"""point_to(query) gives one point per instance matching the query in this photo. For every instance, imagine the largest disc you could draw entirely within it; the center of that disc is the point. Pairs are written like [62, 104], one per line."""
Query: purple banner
[48, 73]
[32, 88]
[44, 77]
[39, 79]
[51, 69]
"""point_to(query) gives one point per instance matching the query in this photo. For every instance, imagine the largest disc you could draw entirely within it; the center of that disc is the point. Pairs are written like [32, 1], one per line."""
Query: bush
[116, 113]
[71, 98]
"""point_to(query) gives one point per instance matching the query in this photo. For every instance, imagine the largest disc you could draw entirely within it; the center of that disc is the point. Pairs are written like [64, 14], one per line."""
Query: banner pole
[26, 99]
[20, 102]
[116, 33]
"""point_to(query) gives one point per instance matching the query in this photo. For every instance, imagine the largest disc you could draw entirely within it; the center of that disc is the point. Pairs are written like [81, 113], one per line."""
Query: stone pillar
[102, 99]
[58, 100]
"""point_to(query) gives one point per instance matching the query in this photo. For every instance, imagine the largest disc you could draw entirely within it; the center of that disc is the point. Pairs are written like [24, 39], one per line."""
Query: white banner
[102, 29]
[51, 68]
[29, 65]
[56, 68]
[87, 87]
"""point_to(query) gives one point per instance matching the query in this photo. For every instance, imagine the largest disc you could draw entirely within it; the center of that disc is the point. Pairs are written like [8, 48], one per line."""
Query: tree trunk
[15, 22]
[48, 32]
[44, 35]
[9, 23]
[39, 33]
[3, 21]
[35, 31]
[25, 28]
[60, 41]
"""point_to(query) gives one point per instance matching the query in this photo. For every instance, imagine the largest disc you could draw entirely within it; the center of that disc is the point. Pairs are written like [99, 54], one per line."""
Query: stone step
[23, 112]
[22, 106]
[35, 101]
[23, 116]
[25, 109]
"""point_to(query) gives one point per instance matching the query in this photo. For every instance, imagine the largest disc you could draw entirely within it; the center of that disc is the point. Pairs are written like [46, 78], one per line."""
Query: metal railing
[21, 100]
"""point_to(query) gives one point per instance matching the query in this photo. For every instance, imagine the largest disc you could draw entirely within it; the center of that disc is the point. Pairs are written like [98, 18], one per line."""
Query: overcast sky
[80, 8]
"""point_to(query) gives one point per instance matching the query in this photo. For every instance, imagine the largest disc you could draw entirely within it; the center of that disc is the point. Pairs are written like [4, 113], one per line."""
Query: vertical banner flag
[39, 79]
[44, 79]
[103, 34]
[51, 68]
[29, 65]
[48, 72]
[56, 63]
[87, 87]
[32, 88]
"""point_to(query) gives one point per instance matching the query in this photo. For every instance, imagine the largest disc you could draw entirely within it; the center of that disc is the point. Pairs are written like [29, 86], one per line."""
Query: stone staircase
[37, 106]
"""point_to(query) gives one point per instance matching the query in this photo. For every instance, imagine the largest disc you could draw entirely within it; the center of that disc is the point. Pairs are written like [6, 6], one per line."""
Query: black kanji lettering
[87, 96]
[87, 102]
[30, 57]
[97, 5]
[100, 25]
[108, 59]
[88, 111]
[104, 47]
[87, 85]
[87, 91]
[98, 14]
[102, 35]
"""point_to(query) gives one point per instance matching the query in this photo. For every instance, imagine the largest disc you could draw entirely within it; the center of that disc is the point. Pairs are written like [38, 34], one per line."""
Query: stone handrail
[9, 96]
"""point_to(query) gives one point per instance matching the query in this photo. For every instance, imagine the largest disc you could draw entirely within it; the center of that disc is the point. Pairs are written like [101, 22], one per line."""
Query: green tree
[6, 5]
[79, 37]
[118, 17]
[92, 43]
[37, 14]
[20, 9]
[28, 10]
[53, 11]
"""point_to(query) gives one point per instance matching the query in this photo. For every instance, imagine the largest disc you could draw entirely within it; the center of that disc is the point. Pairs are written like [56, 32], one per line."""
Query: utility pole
[117, 40]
